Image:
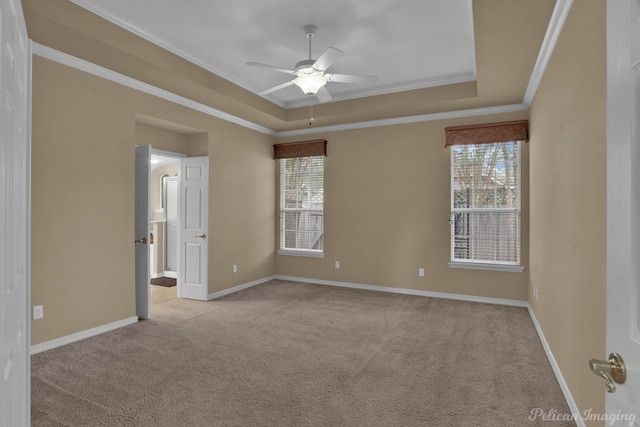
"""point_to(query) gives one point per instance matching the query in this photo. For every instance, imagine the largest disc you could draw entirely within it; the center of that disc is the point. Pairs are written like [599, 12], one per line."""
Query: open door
[15, 172]
[141, 232]
[193, 233]
[623, 213]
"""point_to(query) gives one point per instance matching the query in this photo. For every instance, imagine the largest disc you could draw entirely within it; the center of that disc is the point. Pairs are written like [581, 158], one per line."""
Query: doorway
[164, 187]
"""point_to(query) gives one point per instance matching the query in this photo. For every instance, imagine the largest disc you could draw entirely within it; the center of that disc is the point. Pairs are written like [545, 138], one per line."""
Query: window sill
[486, 266]
[308, 254]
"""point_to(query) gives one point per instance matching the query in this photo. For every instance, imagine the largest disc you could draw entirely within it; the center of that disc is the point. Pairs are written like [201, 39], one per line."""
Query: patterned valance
[487, 133]
[316, 147]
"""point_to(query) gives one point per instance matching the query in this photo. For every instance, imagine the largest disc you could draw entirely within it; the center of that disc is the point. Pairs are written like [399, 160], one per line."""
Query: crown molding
[558, 18]
[144, 34]
[97, 70]
[408, 119]
[384, 90]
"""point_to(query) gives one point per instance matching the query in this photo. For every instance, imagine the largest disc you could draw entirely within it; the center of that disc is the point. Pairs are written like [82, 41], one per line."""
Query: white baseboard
[472, 298]
[48, 345]
[556, 370]
[167, 273]
[238, 288]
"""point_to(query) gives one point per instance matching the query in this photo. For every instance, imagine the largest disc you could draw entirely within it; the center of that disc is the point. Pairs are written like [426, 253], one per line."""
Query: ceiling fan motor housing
[305, 66]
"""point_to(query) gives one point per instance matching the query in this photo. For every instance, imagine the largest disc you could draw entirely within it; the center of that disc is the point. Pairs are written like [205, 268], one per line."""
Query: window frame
[479, 264]
[282, 250]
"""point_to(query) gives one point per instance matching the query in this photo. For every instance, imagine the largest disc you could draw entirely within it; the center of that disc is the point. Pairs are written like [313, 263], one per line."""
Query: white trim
[91, 7]
[28, 245]
[96, 70]
[383, 90]
[293, 252]
[556, 370]
[238, 288]
[405, 291]
[170, 274]
[554, 29]
[556, 23]
[165, 153]
[408, 119]
[515, 303]
[486, 266]
[48, 345]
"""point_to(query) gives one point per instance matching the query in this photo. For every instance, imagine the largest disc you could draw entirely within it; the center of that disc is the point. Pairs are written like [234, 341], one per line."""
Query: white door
[193, 234]
[141, 232]
[15, 85]
[623, 204]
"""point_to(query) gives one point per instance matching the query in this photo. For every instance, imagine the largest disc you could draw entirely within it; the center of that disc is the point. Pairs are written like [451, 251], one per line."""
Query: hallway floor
[162, 294]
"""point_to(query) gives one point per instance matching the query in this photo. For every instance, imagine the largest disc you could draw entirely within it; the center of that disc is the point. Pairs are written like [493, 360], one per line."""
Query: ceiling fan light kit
[310, 83]
[311, 75]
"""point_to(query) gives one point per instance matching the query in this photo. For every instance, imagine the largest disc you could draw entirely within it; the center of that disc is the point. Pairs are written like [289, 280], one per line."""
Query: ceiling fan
[311, 75]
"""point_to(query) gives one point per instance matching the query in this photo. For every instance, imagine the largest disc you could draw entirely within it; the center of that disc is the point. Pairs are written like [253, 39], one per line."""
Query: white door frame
[143, 305]
[15, 216]
[178, 157]
[165, 194]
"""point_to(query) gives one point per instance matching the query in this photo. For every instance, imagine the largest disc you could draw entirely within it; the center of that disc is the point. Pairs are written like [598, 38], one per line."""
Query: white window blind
[485, 203]
[302, 203]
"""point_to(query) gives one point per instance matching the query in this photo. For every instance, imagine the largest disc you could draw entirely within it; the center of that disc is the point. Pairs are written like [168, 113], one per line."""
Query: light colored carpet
[291, 354]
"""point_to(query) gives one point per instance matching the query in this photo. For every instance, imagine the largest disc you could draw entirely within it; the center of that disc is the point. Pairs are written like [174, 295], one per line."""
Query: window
[301, 203]
[301, 197]
[485, 195]
[485, 203]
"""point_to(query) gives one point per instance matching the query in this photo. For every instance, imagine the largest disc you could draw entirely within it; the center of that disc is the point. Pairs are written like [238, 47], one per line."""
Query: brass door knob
[143, 241]
[612, 370]
[201, 236]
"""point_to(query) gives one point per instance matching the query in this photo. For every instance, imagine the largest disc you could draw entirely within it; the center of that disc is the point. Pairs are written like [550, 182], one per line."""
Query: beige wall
[568, 201]
[387, 207]
[84, 130]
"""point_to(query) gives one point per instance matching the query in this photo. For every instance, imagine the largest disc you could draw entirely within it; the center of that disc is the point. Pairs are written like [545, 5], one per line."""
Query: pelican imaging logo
[618, 418]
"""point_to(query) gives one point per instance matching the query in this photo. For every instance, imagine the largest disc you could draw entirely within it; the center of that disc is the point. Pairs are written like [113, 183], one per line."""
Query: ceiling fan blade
[323, 95]
[327, 59]
[276, 88]
[351, 78]
[271, 67]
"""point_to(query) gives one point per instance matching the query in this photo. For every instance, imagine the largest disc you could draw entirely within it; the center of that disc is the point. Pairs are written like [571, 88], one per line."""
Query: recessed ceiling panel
[408, 44]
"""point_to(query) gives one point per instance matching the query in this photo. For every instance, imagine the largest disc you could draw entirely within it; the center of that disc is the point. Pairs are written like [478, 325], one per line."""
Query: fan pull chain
[310, 110]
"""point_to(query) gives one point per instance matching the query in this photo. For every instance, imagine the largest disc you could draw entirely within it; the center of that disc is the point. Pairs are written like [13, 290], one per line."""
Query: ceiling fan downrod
[310, 31]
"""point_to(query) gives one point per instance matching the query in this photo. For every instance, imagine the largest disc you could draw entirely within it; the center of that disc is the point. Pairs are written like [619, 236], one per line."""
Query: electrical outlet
[337, 265]
[421, 272]
[234, 268]
[38, 312]
[535, 293]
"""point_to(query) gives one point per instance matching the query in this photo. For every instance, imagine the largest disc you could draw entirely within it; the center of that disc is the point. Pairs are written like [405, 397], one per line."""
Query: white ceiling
[409, 44]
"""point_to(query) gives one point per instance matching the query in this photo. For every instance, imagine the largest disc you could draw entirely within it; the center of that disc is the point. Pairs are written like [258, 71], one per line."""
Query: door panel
[623, 203]
[15, 57]
[194, 193]
[141, 232]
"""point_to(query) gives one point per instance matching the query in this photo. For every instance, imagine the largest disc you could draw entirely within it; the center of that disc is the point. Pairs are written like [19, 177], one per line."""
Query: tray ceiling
[409, 44]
